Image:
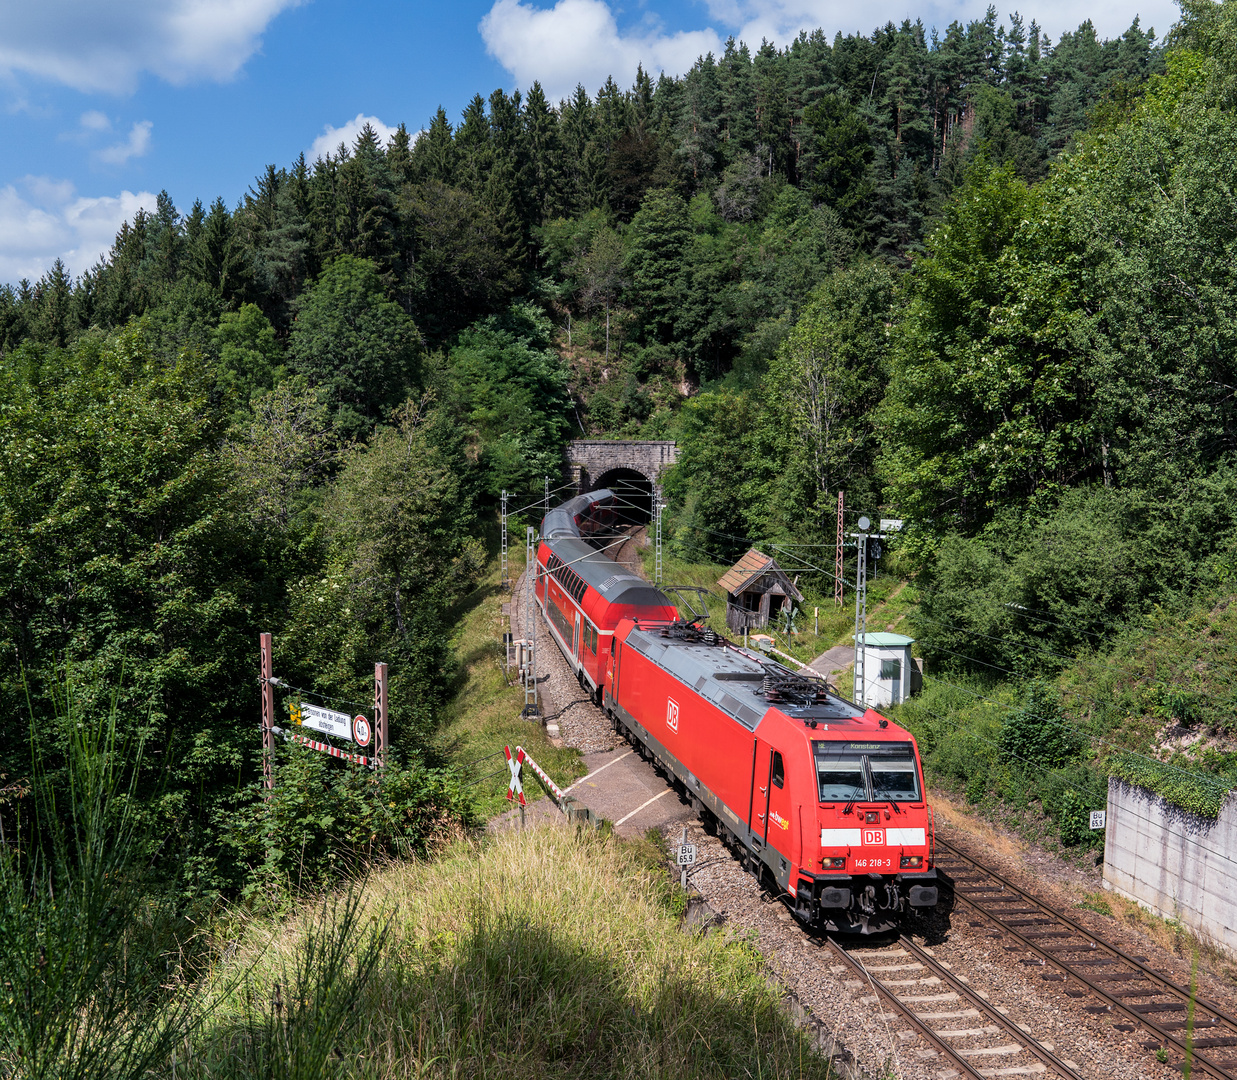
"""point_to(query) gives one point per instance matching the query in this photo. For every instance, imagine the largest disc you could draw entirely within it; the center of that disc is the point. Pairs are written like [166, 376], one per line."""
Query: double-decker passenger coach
[582, 593]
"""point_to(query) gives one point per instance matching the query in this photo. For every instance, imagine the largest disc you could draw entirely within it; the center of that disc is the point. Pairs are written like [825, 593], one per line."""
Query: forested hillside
[980, 280]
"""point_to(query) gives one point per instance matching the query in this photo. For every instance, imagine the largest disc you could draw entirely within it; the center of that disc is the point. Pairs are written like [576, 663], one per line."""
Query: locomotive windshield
[867, 772]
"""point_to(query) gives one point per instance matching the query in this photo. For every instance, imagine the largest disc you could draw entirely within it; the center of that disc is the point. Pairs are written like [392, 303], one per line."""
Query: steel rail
[1166, 988]
[958, 986]
[925, 1032]
[1034, 1046]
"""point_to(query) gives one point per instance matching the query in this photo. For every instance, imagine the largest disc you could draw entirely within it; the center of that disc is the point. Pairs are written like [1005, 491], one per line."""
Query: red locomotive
[825, 796]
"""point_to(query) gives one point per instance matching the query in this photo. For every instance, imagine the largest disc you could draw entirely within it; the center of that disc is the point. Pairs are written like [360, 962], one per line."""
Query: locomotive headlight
[911, 862]
[833, 862]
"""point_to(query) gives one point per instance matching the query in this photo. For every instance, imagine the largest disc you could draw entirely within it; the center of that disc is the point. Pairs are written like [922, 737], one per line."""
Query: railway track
[975, 1037]
[627, 554]
[1186, 1027]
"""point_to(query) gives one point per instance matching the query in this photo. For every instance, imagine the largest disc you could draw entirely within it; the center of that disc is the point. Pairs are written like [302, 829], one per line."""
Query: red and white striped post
[268, 709]
[556, 793]
[380, 713]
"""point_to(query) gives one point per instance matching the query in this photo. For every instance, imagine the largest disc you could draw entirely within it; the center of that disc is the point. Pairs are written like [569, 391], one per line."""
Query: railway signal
[515, 790]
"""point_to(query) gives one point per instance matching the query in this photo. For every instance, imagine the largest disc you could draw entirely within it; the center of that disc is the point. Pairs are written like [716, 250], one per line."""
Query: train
[821, 797]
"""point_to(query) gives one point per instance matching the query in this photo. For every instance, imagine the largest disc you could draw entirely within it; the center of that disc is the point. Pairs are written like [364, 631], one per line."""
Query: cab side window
[779, 771]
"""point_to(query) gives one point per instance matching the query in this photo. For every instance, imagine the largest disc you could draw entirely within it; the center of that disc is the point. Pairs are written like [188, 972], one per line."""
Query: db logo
[874, 836]
[672, 714]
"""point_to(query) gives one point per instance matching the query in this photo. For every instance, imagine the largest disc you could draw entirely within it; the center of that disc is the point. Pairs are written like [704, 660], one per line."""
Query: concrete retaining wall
[1177, 864]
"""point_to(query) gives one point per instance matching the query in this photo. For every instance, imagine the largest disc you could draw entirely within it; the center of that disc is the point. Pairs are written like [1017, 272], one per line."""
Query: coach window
[779, 771]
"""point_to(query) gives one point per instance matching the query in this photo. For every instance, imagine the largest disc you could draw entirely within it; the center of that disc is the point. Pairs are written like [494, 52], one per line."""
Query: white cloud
[135, 146]
[328, 142]
[46, 220]
[95, 121]
[94, 45]
[578, 41]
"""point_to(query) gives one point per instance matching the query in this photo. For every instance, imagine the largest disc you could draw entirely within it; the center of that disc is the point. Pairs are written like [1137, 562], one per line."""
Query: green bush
[1037, 735]
[977, 786]
[1074, 820]
[327, 819]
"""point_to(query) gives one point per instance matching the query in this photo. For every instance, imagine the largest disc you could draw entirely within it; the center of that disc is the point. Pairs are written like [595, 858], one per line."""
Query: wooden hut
[756, 589]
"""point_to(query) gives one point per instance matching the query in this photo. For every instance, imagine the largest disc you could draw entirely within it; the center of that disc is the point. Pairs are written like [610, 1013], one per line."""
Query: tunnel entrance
[634, 492]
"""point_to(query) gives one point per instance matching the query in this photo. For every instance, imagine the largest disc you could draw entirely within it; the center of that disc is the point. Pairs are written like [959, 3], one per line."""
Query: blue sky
[103, 104]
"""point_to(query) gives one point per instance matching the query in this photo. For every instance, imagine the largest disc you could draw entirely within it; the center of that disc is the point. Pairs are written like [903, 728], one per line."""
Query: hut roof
[750, 567]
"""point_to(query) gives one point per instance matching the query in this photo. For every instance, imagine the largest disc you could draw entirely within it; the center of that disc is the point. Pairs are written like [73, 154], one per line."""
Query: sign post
[1099, 819]
[268, 709]
[860, 692]
[685, 856]
[381, 738]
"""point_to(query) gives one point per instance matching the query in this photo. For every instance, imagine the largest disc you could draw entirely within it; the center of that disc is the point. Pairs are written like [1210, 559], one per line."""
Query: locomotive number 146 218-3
[873, 862]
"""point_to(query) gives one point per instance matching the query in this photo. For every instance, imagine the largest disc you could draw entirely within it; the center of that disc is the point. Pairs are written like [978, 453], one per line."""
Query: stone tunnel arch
[634, 491]
[631, 468]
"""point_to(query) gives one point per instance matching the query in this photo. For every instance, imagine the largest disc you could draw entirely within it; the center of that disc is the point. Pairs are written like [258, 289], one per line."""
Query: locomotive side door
[758, 800]
[769, 818]
[778, 834]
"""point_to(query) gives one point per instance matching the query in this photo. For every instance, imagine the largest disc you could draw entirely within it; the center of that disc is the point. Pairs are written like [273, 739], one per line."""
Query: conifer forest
[982, 280]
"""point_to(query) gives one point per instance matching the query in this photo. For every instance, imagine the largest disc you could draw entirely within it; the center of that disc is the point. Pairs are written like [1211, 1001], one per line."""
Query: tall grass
[288, 1019]
[547, 953]
[89, 952]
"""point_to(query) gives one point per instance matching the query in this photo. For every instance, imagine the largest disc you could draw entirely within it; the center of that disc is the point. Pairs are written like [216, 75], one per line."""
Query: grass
[484, 714]
[547, 953]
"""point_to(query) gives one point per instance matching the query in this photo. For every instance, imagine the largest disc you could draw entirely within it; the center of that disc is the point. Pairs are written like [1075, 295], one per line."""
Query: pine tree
[217, 258]
[737, 104]
[772, 109]
[809, 78]
[365, 215]
[165, 244]
[580, 159]
[323, 185]
[544, 156]
[399, 155]
[433, 155]
[474, 148]
[52, 301]
[697, 132]
[611, 115]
